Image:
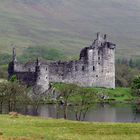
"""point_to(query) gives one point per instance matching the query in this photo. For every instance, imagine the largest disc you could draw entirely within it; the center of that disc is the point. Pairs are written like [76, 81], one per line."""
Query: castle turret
[37, 66]
[14, 55]
[42, 77]
[98, 36]
[12, 64]
[105, 37]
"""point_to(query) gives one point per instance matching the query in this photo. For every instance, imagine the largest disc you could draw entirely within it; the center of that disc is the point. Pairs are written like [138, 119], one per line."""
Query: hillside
[69, 25]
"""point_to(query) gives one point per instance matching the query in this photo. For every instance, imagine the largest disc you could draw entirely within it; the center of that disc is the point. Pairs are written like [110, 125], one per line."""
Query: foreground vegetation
[33, 128]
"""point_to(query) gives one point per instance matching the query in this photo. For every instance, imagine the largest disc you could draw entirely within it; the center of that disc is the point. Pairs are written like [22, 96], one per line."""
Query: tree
[131, 64]
[2, 95]
[3, 72]
[82, 102]
[136, 86]
[66, 91]
[36, 96]
[125, 75]
[12, 92]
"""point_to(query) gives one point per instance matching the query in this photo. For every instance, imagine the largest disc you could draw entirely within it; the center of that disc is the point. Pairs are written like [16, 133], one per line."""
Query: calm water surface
[100, 113]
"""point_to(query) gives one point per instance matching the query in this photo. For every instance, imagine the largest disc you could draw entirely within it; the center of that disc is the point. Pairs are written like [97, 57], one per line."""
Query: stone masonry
[95, 68]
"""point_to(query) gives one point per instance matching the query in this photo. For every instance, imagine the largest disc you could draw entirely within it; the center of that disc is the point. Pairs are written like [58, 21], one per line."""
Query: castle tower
[108, 65]
[101, 63]
[42, 77]
[37, 67]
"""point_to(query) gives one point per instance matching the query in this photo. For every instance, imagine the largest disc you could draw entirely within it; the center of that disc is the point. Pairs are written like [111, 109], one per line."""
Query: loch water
[100, 113]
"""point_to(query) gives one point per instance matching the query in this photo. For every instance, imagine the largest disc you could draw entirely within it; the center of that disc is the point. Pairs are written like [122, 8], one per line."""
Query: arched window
[46, 69]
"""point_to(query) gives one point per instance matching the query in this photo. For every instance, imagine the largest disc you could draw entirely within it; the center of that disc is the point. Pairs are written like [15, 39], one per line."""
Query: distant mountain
[69, 25]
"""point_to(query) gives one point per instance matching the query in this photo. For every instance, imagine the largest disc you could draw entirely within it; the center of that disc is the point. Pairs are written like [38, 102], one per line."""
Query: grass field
[33, 128]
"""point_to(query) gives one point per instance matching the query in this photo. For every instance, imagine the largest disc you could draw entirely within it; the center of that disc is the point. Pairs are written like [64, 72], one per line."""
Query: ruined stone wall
[24, 73]
[19, 67]
[69, 72]
[95, 68]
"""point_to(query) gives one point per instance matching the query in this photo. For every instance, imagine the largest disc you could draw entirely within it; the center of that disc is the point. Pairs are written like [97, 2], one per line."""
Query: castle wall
[24, 73]
[69, 72]
[97, 70]
[19, 67]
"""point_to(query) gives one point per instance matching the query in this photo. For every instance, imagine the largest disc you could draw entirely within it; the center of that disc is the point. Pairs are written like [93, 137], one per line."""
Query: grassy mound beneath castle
[119, 94]
[33, 128]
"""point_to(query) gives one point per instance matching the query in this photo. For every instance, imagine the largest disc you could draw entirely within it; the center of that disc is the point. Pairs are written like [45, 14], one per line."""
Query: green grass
[26, 128]
[119, 94]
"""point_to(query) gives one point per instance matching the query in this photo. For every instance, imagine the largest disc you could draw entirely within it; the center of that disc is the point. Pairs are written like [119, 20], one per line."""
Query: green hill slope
[69, 25]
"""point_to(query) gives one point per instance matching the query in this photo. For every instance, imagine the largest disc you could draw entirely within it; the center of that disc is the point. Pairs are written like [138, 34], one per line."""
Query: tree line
[126, 71]
[132, 63]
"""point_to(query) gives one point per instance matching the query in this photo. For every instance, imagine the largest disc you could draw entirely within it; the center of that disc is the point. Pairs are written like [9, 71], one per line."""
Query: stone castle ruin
[95, 68]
